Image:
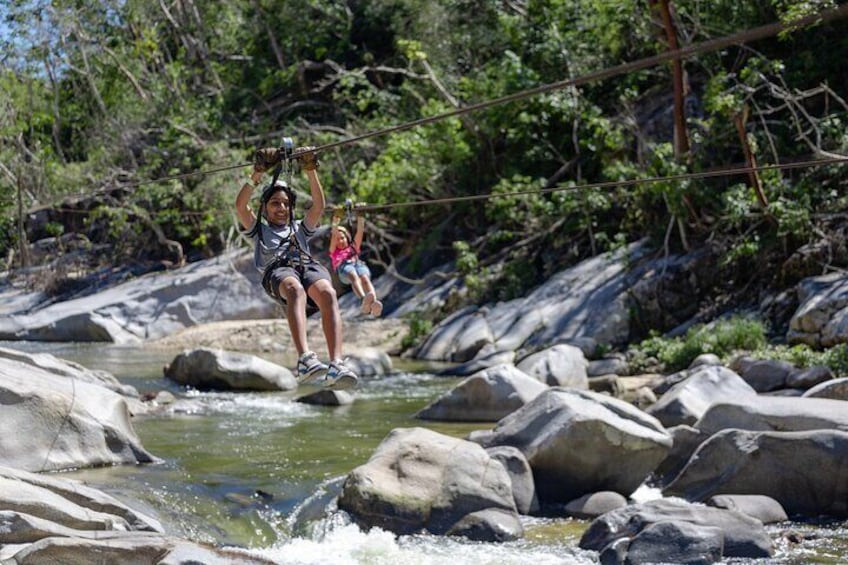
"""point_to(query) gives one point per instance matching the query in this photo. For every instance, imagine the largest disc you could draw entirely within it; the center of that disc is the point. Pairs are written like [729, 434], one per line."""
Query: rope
[611, 184]
[708, 46]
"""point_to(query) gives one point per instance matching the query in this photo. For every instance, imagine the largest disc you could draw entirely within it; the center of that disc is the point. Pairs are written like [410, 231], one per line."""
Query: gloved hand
[265, 158]
[307, 157]
[338, 214]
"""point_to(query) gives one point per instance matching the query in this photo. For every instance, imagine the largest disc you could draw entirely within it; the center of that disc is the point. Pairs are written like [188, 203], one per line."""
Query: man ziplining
[290, 274]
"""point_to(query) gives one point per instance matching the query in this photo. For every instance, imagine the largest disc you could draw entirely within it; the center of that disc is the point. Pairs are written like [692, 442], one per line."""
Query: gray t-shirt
[275, 241]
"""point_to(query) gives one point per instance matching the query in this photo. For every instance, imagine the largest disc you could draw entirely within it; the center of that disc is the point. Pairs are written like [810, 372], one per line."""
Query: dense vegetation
[102, 99]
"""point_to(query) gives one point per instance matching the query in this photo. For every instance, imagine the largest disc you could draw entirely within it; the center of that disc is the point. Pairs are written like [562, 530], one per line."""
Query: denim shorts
[349, 268]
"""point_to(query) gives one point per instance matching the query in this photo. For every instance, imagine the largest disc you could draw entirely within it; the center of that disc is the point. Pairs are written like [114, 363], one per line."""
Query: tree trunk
[750, 159]
[681, 135]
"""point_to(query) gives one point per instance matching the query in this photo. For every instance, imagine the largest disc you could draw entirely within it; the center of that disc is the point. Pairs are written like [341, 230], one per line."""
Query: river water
[260, 471]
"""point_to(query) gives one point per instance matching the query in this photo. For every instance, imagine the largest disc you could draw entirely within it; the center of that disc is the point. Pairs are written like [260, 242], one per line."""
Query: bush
[722, 338]
[419, 328]
[803, 356]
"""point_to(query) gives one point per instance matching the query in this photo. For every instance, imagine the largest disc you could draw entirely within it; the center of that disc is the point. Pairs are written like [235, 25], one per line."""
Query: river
[260, 471]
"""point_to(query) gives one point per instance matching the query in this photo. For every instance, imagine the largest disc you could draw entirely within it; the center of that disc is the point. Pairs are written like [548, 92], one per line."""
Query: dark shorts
[308, 273]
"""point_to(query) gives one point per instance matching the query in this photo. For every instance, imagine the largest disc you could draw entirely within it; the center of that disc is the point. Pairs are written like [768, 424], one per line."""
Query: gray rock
[570, 436]
[129, 547]
[418, 479]
[809, 377]
[764, 508]
[78, 495]
[62, 423]
[216, 369]
[70, 369]
[486, 396]
[680, 543]
[369, 362]
[705, 359]
[592, 505]
[765, 375]
[820, 320]
[458, 338]
[151, 306]
[743, 536]
[686, 441]
[836, 389]
[612, 365]
[489, 525]
[560, 365]
[687, 401]
[327, 397]
[773, 464]
[773, 413]
[521, 476]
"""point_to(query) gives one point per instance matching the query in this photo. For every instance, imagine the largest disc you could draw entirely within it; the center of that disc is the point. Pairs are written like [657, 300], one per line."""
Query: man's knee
[292, 289]
[324, 291]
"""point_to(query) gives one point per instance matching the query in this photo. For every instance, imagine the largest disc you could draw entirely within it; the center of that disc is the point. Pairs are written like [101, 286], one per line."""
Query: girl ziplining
[347, 263]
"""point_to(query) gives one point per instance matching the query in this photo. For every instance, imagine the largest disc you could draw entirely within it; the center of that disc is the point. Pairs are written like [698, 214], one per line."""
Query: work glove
[307, 157]
[265, 158]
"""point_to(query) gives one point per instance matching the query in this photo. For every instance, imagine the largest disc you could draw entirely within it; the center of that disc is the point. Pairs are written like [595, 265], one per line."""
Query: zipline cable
[707, 46]
[722, 172]
[610, 184]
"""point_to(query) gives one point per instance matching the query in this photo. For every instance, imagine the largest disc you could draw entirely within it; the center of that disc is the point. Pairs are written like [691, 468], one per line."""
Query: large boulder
[69, 369]
[803, 471]
[123, 547]
[49, 519]
[560, 365]
[570, 436]
[458, 338]
[821, 319]
[486, 396]
[150, 306]
[216, 369]
[419, 480]
[686, 401]
[675, 542]
[774, 413]
[563, 309]
[56, 422]
[743, 536]
[836, 389]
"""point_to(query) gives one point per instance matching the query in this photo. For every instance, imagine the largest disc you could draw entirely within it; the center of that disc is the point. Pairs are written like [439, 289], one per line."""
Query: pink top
[341, 255]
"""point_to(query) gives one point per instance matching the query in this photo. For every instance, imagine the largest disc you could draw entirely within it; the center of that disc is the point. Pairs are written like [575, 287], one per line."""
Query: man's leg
[324, 295]
[295, 296]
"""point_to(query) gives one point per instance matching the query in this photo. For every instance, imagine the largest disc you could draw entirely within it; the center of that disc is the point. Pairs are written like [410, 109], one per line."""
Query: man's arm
[245, 215]
[309, 161]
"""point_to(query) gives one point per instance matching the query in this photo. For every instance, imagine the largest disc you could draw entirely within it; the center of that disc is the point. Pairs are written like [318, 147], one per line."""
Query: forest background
[127, 127]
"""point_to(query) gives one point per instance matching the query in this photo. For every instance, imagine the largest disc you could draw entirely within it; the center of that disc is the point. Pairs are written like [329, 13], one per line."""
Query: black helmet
[275, 186]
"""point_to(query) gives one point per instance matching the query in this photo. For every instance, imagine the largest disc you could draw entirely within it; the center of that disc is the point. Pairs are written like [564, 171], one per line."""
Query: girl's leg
[356, 285]
[365, 283]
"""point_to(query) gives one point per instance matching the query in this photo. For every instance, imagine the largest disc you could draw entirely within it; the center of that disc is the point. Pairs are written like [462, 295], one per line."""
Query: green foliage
[468, 266]
[722, 338]
[803, 356]
[132, 94]
[419, 328]
[743, 250]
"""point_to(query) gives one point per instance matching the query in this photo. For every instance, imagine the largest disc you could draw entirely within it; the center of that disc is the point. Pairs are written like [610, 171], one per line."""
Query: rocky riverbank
[272, 335]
